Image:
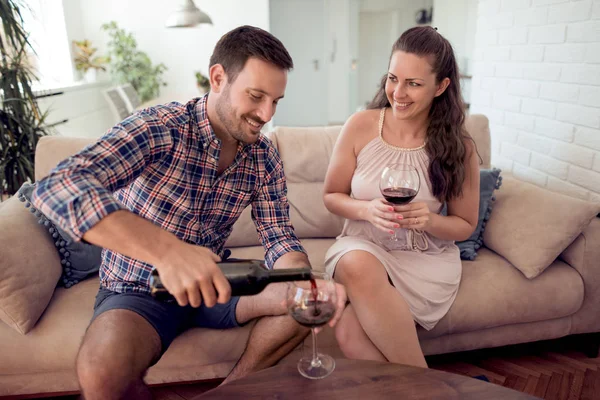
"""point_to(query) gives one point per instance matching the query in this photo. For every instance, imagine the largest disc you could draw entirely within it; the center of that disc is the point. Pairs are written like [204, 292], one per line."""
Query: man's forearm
[131, 235]
[293, 259]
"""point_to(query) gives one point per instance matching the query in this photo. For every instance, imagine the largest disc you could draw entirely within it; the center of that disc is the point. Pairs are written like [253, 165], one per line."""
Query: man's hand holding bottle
[190, 273]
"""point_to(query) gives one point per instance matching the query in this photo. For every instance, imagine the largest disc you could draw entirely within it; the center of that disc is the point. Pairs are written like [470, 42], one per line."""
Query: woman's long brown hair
[446, 133]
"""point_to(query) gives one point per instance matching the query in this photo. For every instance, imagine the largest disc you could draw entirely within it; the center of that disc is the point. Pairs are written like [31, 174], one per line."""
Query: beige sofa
[496, 304]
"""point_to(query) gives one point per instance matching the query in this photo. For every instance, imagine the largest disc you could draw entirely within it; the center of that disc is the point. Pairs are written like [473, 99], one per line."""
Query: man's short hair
[237, 46]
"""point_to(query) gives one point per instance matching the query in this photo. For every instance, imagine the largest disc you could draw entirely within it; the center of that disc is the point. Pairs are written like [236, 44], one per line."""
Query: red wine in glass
[313, 306]
[399, 195]
[314, 314]
[315, 294]
[399, 184]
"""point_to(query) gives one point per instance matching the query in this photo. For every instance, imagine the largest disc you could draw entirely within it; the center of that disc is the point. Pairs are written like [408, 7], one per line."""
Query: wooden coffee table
[354, 379]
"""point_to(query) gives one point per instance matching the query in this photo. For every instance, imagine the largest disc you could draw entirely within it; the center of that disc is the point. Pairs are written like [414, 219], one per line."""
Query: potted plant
[85, 62]
[202, 82]
[21, 122]
[130, 65]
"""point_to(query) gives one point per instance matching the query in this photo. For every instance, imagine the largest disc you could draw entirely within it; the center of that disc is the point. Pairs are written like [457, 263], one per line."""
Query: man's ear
[218, 78]
[442, 86]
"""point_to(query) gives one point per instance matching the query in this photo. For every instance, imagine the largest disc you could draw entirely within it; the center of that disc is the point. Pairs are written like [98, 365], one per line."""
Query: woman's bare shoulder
[360, 129]
[363, 123]
[364, 119]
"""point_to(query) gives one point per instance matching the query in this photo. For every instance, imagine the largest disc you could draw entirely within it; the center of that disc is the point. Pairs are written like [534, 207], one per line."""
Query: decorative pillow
[531, 226]
[79, 260]
[490, 180]
[29, 267]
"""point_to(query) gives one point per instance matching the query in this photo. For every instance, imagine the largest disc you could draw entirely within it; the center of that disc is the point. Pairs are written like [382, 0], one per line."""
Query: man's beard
[226, 114]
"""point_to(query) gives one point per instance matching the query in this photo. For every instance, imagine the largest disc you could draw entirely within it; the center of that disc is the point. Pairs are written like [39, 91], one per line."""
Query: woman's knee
[359, 267]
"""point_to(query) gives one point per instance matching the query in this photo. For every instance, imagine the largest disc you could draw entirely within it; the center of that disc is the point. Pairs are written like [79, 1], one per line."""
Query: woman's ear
[218, 78]
[442, 86]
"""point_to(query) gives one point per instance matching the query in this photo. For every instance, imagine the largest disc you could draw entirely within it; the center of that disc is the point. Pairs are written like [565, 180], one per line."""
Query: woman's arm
[339, 177]
[462, 211]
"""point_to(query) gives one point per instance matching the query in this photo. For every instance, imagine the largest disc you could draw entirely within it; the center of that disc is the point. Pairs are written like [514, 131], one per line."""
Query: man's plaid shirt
[161, 164]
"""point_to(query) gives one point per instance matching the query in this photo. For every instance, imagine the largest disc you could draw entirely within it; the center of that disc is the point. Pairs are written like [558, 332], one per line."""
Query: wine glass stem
[315, 358]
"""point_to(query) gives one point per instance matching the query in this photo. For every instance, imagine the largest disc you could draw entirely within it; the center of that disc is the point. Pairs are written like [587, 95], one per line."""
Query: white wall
[324, 32]
[537, 78]
[381, 23]
[456, 20]
[338, 49]
[81, 110]
[296, 23]
[182, 50]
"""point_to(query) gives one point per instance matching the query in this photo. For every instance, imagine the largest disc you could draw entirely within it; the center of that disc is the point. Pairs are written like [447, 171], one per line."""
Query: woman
[417, 117]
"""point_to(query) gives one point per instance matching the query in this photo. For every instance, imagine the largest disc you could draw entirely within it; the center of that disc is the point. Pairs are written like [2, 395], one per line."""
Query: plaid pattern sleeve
[270, 211]
[78, 192]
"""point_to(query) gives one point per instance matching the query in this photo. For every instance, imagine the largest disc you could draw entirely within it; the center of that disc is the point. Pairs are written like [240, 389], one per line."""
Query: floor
[553, 370]
[556, 369]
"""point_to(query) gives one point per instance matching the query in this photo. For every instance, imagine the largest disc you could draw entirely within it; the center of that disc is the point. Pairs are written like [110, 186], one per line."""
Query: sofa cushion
[305, 152]
[52, 345]
[504, 296]
[79, 260]
[29, 267]
[531, 226]
[490, 180]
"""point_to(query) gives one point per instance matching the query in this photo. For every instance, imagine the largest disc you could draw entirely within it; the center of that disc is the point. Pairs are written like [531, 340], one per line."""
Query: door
[300, 25]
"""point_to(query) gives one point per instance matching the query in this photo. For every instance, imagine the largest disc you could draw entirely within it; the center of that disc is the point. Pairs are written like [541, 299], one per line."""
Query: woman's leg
[353, 340]
[381, 310]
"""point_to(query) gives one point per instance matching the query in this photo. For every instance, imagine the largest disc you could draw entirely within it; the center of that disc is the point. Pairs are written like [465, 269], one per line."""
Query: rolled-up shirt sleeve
[78, 192]
[270, 212]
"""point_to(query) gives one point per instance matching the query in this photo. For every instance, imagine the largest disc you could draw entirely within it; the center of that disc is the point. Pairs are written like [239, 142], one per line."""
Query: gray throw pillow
[490, 180]
[79, 260]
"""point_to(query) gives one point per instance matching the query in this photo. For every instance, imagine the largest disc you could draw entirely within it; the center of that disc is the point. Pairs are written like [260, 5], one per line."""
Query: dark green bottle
[246, 278]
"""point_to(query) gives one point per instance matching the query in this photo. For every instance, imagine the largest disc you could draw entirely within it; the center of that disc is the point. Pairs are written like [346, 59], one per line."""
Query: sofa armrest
[584, 255]
[51, 150]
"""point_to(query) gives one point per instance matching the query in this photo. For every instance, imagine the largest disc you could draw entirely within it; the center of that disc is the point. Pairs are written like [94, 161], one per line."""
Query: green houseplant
[84, 57]
[21, 122]
[202, 82]
[130, 65]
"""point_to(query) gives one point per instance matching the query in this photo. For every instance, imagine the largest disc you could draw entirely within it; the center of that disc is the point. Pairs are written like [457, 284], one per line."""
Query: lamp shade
[187, 15]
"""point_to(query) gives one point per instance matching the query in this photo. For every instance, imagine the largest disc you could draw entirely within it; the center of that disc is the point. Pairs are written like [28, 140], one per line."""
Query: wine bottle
[246, 278]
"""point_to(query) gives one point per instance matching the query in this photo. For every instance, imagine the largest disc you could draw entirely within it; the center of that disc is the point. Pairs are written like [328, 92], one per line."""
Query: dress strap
[381, 119]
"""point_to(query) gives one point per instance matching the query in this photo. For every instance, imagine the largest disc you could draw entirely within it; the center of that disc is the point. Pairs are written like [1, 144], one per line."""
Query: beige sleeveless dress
[424, 269]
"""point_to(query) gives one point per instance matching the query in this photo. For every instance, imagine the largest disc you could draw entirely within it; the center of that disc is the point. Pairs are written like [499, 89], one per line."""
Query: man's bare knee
[99, 379]
[117, 349]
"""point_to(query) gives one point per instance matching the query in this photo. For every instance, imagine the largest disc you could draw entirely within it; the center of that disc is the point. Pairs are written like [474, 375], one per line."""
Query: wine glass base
[324, 367]
[394, 245]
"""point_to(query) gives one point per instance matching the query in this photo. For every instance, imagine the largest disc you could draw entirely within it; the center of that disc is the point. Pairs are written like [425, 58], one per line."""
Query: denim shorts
[168, 318]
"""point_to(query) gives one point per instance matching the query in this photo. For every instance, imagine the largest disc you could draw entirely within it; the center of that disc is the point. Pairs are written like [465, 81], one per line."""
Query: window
[45, 22]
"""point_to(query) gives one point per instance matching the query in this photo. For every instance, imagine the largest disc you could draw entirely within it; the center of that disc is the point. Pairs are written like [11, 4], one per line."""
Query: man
[162, 190]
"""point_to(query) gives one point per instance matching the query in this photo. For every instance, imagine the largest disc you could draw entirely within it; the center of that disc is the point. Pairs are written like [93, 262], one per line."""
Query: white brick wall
[537, 78]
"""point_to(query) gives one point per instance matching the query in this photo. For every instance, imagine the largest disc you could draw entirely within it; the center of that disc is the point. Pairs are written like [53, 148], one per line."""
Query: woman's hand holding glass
[414, 216]
[382, 215]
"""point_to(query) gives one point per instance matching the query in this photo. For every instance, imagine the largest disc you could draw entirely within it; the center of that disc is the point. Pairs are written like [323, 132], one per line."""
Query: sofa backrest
[51, 150]
[305, 153]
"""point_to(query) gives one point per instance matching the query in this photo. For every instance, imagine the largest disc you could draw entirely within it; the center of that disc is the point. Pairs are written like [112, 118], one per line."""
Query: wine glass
[312, 304]
[399, 184]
